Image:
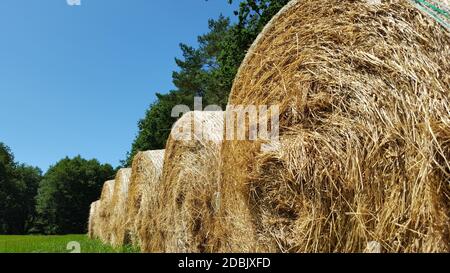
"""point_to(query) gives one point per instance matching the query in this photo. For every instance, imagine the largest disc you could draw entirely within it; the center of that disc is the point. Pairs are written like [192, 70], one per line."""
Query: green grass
[56, 244]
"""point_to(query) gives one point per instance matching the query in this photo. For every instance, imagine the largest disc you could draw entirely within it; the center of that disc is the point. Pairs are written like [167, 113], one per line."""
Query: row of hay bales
[163, 203]
[364, 154]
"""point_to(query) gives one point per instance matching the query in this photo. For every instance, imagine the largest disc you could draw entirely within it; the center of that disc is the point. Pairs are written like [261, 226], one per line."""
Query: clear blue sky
[75, 80]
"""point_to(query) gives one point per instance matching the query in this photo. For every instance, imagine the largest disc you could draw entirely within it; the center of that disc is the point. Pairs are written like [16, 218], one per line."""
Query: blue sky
[76, 79]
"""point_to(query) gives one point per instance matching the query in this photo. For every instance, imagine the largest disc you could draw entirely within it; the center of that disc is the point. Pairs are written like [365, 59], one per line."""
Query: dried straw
[118, 208]
[105, 212]
[181, 209]
[145, 176]
[93, 228]
[364, 156]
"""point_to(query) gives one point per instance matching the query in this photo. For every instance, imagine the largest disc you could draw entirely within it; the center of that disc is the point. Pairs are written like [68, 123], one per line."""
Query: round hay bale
[105, 212]
[91, 221]
[145, 175]
[93, 228]
[118, 208]
[182, 208]
[364, 153]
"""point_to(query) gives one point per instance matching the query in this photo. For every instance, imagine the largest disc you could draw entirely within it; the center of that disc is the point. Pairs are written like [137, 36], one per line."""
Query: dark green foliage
[253, 15]
[197, 76]
[155, 127]
[28, 179]
[207, 71]
[66, 192]
[8, 189]
[18, 187]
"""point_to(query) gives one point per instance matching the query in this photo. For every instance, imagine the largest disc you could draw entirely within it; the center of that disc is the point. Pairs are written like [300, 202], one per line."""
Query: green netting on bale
[437, 10]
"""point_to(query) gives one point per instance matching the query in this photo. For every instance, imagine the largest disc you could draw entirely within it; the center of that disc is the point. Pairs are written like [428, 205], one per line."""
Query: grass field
[56, 244]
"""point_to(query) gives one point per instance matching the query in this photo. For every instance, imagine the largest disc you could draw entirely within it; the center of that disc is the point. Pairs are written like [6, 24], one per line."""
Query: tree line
[58, 201]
